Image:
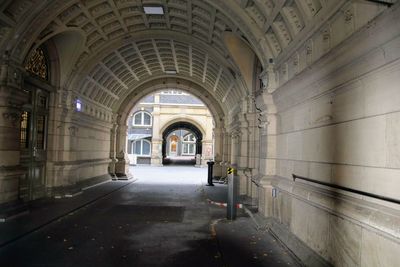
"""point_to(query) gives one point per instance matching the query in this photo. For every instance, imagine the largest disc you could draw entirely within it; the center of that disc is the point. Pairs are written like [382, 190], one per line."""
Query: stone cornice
[360, 47]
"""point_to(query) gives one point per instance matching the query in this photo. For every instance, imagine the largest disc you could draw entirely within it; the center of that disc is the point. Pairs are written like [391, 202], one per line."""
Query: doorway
[173, 146]
[33, 142]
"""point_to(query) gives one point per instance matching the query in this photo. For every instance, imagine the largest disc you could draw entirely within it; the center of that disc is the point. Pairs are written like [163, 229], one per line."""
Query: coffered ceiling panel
[105, 20]
[109, 81]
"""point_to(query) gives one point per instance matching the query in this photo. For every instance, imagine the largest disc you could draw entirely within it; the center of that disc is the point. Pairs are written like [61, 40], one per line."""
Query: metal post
[210, 173]
[232, 195]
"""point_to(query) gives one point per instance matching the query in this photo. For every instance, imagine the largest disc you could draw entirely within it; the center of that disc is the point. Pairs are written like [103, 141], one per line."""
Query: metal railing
[381, 2]
[389, 199]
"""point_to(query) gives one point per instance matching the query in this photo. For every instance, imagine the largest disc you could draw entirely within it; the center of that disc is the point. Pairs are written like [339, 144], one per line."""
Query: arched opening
[173, 124]
[183, 144]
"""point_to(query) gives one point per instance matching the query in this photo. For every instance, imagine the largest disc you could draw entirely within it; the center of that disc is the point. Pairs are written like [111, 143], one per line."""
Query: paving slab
[45, 211]
[163, 219]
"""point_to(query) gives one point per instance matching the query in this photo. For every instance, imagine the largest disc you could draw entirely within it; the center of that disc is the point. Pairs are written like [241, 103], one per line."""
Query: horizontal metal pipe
[393, 200]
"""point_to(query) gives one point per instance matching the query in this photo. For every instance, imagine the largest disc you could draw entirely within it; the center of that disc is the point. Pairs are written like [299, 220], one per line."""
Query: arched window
[189, 144]
[189, 138]
[37, 64]
[142, 118]
[141, 147]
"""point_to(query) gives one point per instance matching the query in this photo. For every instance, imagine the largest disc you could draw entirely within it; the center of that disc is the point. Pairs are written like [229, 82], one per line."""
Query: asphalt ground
[162, 219]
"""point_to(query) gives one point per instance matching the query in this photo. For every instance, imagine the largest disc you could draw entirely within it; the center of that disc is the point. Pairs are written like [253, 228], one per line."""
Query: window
[189, 138]
[24, 130]
[141, 147]
[189, 145]
[142, 118]
[189, 149]
[37, 64]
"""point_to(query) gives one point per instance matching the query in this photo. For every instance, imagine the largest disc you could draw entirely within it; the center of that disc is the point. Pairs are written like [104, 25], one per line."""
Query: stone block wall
[344, 125]
[338, 121]
[79, 147]
[11, 98]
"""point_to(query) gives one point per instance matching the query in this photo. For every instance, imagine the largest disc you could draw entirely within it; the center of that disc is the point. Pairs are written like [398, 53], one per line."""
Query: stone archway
[118, 154]
[187, 126]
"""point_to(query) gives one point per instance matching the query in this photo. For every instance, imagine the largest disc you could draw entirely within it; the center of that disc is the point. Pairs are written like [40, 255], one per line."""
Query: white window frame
[142, 113]
[141, 147]
[187, 143]
[186, 138]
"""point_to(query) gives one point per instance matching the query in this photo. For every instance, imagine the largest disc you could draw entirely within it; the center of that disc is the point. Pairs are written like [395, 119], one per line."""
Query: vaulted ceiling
[269, 25]
[108, 82]
[123, 47]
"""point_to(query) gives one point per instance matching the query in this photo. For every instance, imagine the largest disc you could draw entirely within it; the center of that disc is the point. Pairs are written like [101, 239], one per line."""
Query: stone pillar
[62, 140]
[252, 160]
[122, 164]
[223, 163]
[243, 141]
[113, 150]
[218, 151]
[234, 147]
[156, 152]
[226, 156]
[207, 152]
[265, 199]
[11, 100]
[253, 139]
[243, 172]
[156, 143]
[267, 124]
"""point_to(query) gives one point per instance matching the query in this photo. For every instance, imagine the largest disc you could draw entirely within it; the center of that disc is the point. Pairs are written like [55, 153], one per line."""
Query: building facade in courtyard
[177, 121]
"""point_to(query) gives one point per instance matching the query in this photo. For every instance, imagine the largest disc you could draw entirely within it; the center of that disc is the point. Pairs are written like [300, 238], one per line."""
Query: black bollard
[210, 173]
